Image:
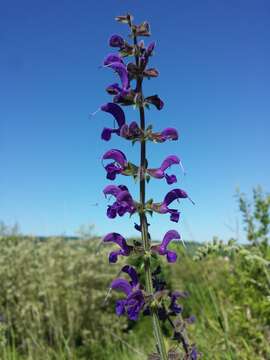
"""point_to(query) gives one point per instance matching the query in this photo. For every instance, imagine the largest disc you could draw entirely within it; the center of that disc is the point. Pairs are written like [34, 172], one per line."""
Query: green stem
[144, 227]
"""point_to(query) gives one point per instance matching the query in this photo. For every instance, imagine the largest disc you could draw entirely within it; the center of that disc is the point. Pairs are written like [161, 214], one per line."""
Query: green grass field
[53, 291]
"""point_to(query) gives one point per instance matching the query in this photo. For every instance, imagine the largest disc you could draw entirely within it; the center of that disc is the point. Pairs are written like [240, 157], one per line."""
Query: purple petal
[123, 209]
[168, 237]
[132, 273]
[117, 156]
[156, 173]
[117, 239]
[120, 307]
[106, 134]
[112, 58]
[112, 171]
[134, 128]
[111, 212]
[175, 216]
[169, 133]
[191, 319]
[116, 111]
[113, 257]
[169, 161]
[134, 304]
[124, 196]
[130, 132]
[121, 70]
[116, 41]
[124, 131]
[173, 195]
[175, 295]
[171, 256]
[171, 179]
[194, 353]
[121, 285]
[112, 190]
[113, 89]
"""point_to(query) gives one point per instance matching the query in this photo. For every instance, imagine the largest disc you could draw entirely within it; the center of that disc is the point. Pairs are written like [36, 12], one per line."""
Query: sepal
[151, 72]
[124, 19]
[142, 29]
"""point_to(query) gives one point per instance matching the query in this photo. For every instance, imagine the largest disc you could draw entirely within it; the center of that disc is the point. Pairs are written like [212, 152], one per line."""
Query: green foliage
[247, 278]
[256, 216]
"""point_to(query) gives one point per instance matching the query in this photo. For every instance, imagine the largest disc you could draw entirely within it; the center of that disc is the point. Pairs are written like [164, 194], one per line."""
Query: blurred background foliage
[53, 291]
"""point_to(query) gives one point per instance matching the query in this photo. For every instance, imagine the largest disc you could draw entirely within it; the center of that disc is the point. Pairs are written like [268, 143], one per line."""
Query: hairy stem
[143, 223]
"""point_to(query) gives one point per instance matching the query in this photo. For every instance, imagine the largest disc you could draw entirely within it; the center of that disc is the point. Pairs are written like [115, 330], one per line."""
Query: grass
[52, 304]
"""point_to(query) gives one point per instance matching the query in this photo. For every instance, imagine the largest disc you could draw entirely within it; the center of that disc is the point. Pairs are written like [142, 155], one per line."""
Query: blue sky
[213, 58]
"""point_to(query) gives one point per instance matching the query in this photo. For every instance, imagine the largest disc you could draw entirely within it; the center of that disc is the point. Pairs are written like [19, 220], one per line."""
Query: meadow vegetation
[54, 301]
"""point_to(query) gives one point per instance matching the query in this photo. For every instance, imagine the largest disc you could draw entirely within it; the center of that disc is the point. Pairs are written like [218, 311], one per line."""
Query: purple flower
[166, 134]
[124, 202]
[116, 41]
[119, 164]
[159, 173]
[134, 300]
[194, 353]
[121, 242]
[174, 307]
[131, 132]
[111, 58]
[162, 248]
[121, 70]
[162, 208]
[116, 111]
[191, 319]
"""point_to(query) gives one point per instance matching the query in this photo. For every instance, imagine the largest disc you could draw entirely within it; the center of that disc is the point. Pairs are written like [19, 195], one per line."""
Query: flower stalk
[151, 297]
[144, 227]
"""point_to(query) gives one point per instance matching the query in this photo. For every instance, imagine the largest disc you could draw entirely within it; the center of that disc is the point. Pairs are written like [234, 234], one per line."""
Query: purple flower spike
[134, 301]
[116, 41]
[159, 173]
[116, 111]
[119, 164]
[162, 248]
[120, 241]
[121, 70]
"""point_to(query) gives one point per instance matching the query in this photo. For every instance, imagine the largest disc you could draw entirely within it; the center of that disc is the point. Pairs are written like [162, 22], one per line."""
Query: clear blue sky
[213, 58]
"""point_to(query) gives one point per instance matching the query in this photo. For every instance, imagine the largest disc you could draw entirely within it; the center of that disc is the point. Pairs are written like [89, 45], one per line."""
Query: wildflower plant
[148, 297]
